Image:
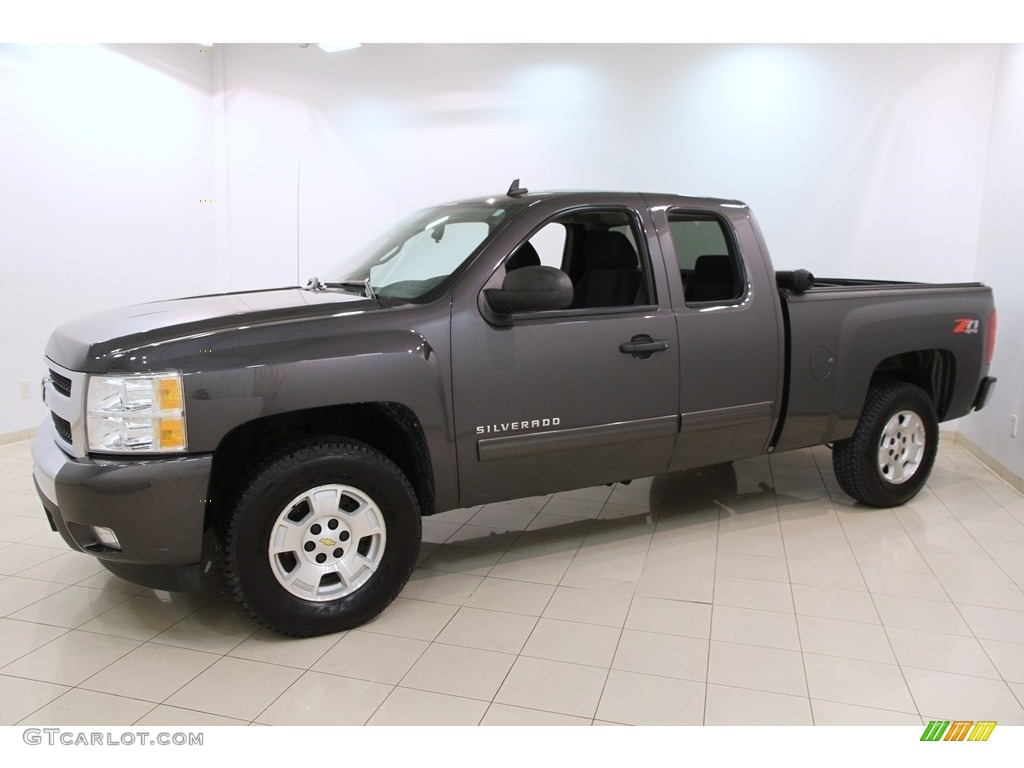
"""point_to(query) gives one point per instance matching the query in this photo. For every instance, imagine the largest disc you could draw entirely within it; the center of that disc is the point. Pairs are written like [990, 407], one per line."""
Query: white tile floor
[673, 600]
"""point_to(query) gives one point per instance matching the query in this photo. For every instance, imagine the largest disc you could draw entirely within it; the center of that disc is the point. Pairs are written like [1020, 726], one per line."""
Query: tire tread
[853, 459]
[275, 463]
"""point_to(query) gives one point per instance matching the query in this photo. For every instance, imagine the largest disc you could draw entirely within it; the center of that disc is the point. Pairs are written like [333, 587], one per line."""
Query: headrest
[608, 250]
[713, 269]
[524, 256]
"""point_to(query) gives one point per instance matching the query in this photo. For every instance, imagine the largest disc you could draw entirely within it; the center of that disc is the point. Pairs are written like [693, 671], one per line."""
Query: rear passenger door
[729, 339]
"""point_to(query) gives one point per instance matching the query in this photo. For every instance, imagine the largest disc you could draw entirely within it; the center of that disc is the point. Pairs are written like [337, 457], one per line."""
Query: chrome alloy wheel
[901, 447]
[327, 542]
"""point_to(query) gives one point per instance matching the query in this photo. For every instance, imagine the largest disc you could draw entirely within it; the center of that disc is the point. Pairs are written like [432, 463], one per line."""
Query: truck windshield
[420, 252]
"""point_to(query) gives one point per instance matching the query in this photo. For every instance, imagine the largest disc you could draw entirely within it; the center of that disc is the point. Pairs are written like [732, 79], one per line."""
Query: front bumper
[155, 507]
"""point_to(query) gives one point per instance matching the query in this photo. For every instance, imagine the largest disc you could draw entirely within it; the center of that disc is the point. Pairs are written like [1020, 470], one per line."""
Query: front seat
[610, 275]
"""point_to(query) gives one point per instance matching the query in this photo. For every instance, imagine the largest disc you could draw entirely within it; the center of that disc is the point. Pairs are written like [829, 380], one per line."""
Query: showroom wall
[1000, 263]
[105, 154]
[866, 161]
[858, 160]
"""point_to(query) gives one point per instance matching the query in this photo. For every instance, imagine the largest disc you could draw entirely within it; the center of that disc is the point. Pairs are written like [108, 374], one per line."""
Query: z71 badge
[966, 325]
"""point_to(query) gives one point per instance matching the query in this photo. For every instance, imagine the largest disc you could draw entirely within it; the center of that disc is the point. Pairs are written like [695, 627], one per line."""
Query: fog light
[106, 537]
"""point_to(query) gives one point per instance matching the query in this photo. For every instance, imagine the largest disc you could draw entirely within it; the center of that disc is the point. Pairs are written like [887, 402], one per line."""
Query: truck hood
[88, 344]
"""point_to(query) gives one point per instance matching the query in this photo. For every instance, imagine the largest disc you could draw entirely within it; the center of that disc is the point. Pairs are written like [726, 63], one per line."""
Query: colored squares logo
[958, 730]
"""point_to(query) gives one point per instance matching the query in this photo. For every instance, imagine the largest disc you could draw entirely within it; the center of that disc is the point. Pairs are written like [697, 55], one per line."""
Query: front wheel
[322, 537]
[890, 455]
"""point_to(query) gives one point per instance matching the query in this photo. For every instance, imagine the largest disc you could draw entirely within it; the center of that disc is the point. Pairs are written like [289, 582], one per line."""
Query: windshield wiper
[363, 286]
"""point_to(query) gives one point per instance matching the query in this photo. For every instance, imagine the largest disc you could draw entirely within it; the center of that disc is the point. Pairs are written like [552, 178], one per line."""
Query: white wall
[105, 153]
[1000, 263]
[860, 161]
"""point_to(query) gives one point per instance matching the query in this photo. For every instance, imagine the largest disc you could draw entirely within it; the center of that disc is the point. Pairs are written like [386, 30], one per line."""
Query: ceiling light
[335, 47]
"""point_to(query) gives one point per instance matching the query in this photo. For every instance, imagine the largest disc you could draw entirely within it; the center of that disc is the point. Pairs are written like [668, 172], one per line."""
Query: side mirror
[530, 289]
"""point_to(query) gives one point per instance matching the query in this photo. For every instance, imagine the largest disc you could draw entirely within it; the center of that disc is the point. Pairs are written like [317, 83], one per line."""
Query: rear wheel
[322, 538]
[890, 455]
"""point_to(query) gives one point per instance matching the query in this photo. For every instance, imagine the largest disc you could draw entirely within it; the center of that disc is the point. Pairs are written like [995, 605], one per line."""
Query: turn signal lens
[172, 434]
[168, 393]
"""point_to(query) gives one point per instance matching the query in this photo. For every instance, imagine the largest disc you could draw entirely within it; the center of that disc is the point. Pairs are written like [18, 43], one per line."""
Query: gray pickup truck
[481, 350]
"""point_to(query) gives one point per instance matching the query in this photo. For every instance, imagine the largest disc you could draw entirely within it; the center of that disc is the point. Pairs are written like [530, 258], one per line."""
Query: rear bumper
[155, 507]
[984, 392]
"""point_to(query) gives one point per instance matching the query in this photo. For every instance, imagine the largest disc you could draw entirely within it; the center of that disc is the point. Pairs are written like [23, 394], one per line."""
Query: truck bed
[843, 334]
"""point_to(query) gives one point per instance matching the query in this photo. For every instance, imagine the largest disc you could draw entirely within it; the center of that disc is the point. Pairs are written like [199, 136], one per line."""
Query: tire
[890, 455]
[321, 538]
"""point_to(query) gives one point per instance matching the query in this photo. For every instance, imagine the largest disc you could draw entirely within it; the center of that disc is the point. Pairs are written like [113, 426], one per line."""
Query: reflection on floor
[749, 595]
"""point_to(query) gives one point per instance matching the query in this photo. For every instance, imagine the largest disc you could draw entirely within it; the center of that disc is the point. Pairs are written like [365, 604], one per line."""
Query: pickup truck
[482, 350]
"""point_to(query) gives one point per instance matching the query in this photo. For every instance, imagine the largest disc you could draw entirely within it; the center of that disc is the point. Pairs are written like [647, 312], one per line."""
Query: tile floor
[758, 595]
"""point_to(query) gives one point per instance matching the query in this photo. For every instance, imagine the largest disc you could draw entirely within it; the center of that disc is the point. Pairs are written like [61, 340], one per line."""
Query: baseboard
[17, 437]
[1001, 471]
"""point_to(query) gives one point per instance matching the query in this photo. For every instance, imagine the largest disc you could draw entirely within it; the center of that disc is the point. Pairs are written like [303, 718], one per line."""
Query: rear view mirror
[530, 289]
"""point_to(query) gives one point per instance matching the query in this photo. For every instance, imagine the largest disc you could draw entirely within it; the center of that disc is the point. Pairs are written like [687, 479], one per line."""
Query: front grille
[63, 427]
[61, 383]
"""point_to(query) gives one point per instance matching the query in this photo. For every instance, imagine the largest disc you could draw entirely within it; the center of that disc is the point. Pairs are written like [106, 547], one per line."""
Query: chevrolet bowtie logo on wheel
[958, 730]
[328, 542]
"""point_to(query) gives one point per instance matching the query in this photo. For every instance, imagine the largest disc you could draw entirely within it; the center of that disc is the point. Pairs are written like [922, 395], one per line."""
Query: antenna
[515, 190]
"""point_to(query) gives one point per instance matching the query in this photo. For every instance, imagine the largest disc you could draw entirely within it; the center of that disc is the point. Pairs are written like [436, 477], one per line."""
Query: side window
[627, 232]
[708, 265]
[598, 250]
[550, 244]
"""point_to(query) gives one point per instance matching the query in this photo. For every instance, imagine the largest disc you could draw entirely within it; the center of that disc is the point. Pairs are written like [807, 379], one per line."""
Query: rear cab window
[708, 262]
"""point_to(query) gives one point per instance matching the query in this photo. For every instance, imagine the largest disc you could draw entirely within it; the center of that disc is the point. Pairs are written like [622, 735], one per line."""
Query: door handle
[643, 346]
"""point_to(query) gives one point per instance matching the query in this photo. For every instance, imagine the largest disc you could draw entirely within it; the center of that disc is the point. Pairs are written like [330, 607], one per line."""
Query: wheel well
[391, 428]
[933, 370]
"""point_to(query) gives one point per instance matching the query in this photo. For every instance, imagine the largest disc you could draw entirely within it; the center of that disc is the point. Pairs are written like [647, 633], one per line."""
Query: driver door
[576, 397]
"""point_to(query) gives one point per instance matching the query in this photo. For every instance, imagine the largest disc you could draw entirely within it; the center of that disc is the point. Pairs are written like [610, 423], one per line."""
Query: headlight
[136, 413]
